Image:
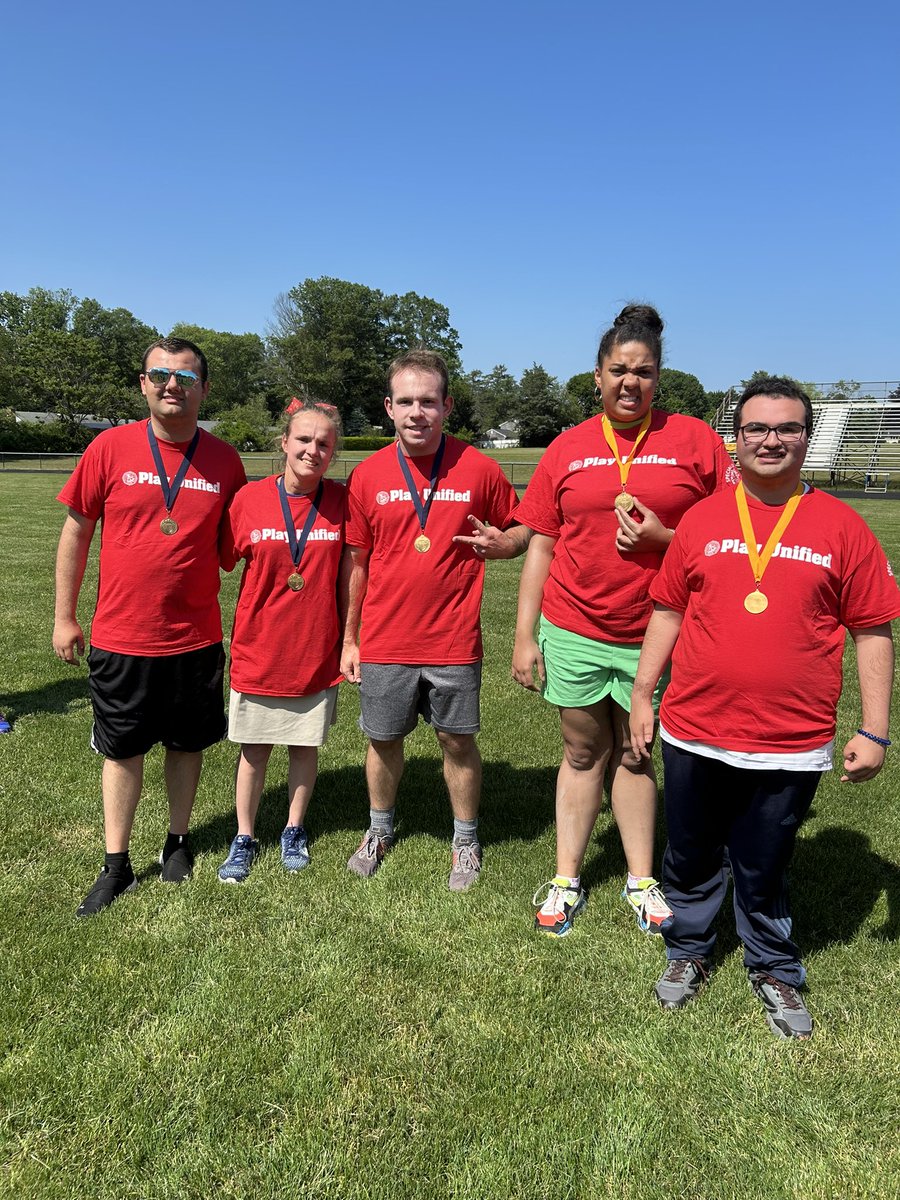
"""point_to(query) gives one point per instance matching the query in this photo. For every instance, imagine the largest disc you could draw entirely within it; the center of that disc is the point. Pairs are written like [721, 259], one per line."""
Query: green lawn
[326, 1037]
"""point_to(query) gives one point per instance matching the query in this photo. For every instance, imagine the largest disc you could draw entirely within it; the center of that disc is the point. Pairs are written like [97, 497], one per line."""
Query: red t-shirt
[424, 608]
[157, 595]
[593, 588]
[284, 643]
[769, 681]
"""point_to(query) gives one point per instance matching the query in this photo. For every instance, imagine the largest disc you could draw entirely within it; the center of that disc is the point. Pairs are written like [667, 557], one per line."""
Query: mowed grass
[323, 1036]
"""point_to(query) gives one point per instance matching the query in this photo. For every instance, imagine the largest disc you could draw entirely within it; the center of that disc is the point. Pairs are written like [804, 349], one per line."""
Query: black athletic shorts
[175, 699]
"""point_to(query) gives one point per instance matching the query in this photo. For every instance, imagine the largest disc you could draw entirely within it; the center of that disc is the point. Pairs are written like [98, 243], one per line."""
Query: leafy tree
[357, 424]
[239, 369]
[495, 397]
[246, 426]
[842, 389]
[72, 357]
[580, 391]
[544, 409]
[415, 322]
[462, 415]
[329, 337]
[679, 392]
[336, 340]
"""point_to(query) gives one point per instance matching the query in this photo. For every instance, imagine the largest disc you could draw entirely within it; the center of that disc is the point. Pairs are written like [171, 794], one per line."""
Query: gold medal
[624, 502]
[422, 544]
[296, 582]
[168, 526]
[756, 602]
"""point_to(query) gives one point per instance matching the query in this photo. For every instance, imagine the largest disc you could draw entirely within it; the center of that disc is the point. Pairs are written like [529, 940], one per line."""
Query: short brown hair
[419, 360]
[173, 345]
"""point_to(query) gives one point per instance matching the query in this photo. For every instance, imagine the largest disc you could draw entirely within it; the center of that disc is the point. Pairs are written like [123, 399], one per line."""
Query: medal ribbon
[759, 562]
[170, 490]
[298, 545]
[422, 510]
[626, 462]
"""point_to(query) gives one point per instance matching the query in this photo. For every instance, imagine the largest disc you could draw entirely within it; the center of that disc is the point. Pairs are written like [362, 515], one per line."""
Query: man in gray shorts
[413, 576]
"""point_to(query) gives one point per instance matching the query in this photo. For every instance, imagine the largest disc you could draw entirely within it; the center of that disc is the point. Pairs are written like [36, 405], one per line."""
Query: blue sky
[531, 166]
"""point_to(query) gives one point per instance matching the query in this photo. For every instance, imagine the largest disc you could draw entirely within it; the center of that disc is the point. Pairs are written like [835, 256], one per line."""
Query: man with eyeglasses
[752, 603]
[160, 487]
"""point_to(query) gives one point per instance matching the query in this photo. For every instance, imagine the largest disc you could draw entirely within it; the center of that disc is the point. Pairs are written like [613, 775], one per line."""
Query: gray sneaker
[466, 867]
[786, 1014]
[681, 981]
[368, 857]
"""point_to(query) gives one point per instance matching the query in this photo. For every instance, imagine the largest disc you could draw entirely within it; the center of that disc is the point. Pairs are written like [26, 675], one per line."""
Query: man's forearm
[875, 668]
[659, 642]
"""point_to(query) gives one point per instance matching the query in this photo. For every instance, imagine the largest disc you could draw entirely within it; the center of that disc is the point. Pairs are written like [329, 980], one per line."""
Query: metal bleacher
[856, 433]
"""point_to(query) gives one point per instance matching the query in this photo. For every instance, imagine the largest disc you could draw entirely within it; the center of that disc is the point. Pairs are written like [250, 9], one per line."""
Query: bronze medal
[624, 502]
[422, 544]
[296, 582]
[756, 602]
[168, 526]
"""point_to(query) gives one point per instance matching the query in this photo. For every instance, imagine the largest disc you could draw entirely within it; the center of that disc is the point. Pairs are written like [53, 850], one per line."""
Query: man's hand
[863, 759]
[490, 542]
[641, 724]
[68, 641]
[350, 662]
[527, 659]
[640, 537]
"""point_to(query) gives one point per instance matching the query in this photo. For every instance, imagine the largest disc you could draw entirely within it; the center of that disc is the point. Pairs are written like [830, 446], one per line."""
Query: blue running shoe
[294, 848]
[240, 860]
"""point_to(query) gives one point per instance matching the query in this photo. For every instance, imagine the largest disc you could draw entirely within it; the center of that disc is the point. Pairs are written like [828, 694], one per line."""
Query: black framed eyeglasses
[789, 431]
[160, 376]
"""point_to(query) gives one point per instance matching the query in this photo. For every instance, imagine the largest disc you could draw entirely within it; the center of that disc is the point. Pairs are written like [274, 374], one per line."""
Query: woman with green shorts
[603, 505]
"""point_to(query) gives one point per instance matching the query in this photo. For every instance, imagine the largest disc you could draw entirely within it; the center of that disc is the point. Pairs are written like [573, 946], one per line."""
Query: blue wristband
[873, 737]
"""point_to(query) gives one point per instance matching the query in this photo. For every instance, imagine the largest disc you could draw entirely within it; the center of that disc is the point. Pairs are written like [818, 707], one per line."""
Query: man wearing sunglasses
[160, 487]
[755, 595]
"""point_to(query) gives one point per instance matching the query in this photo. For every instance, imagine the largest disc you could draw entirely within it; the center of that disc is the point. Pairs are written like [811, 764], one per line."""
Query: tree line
[328, 337]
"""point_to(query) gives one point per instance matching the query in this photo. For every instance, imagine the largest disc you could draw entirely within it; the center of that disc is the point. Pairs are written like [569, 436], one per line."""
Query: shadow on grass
[517, 805]
[55, 697]
[837, 879]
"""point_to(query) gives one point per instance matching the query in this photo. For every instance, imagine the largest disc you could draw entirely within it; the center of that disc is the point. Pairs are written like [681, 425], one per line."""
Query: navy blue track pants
[712, 806]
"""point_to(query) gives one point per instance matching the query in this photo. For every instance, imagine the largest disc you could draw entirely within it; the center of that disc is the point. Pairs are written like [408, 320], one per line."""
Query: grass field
[326, 1037]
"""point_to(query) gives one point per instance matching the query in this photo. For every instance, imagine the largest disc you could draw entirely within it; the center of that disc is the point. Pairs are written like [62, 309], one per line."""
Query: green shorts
[582, 671]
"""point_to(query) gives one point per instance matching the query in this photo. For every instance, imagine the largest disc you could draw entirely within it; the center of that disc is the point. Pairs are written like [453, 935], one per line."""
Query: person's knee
[386, 749]
[583, 756]
[256, 755]
[457, 745]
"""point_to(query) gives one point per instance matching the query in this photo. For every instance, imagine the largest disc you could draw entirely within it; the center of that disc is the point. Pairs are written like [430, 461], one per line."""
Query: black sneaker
[110, 885]
[681, 981]
[178, 867]
[786, 1014]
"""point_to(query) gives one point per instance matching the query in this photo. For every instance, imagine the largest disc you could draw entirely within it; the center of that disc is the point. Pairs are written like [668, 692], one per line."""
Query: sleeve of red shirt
[504, 502]
[229, 555]
[670, 587]
[359, 529]
[869, 594]
[85, 490]
[538, 509]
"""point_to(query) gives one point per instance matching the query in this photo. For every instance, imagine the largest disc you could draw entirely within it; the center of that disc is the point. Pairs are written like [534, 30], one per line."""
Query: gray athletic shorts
[393, 696]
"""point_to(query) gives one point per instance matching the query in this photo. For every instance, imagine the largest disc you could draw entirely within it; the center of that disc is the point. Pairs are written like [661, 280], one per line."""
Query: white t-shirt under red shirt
[768, 682]
[284, 643]
[158, 594]
[594, 589]
[424, 608]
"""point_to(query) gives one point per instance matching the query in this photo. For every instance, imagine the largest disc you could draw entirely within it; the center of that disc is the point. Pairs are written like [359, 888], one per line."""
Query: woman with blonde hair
[285, 660]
